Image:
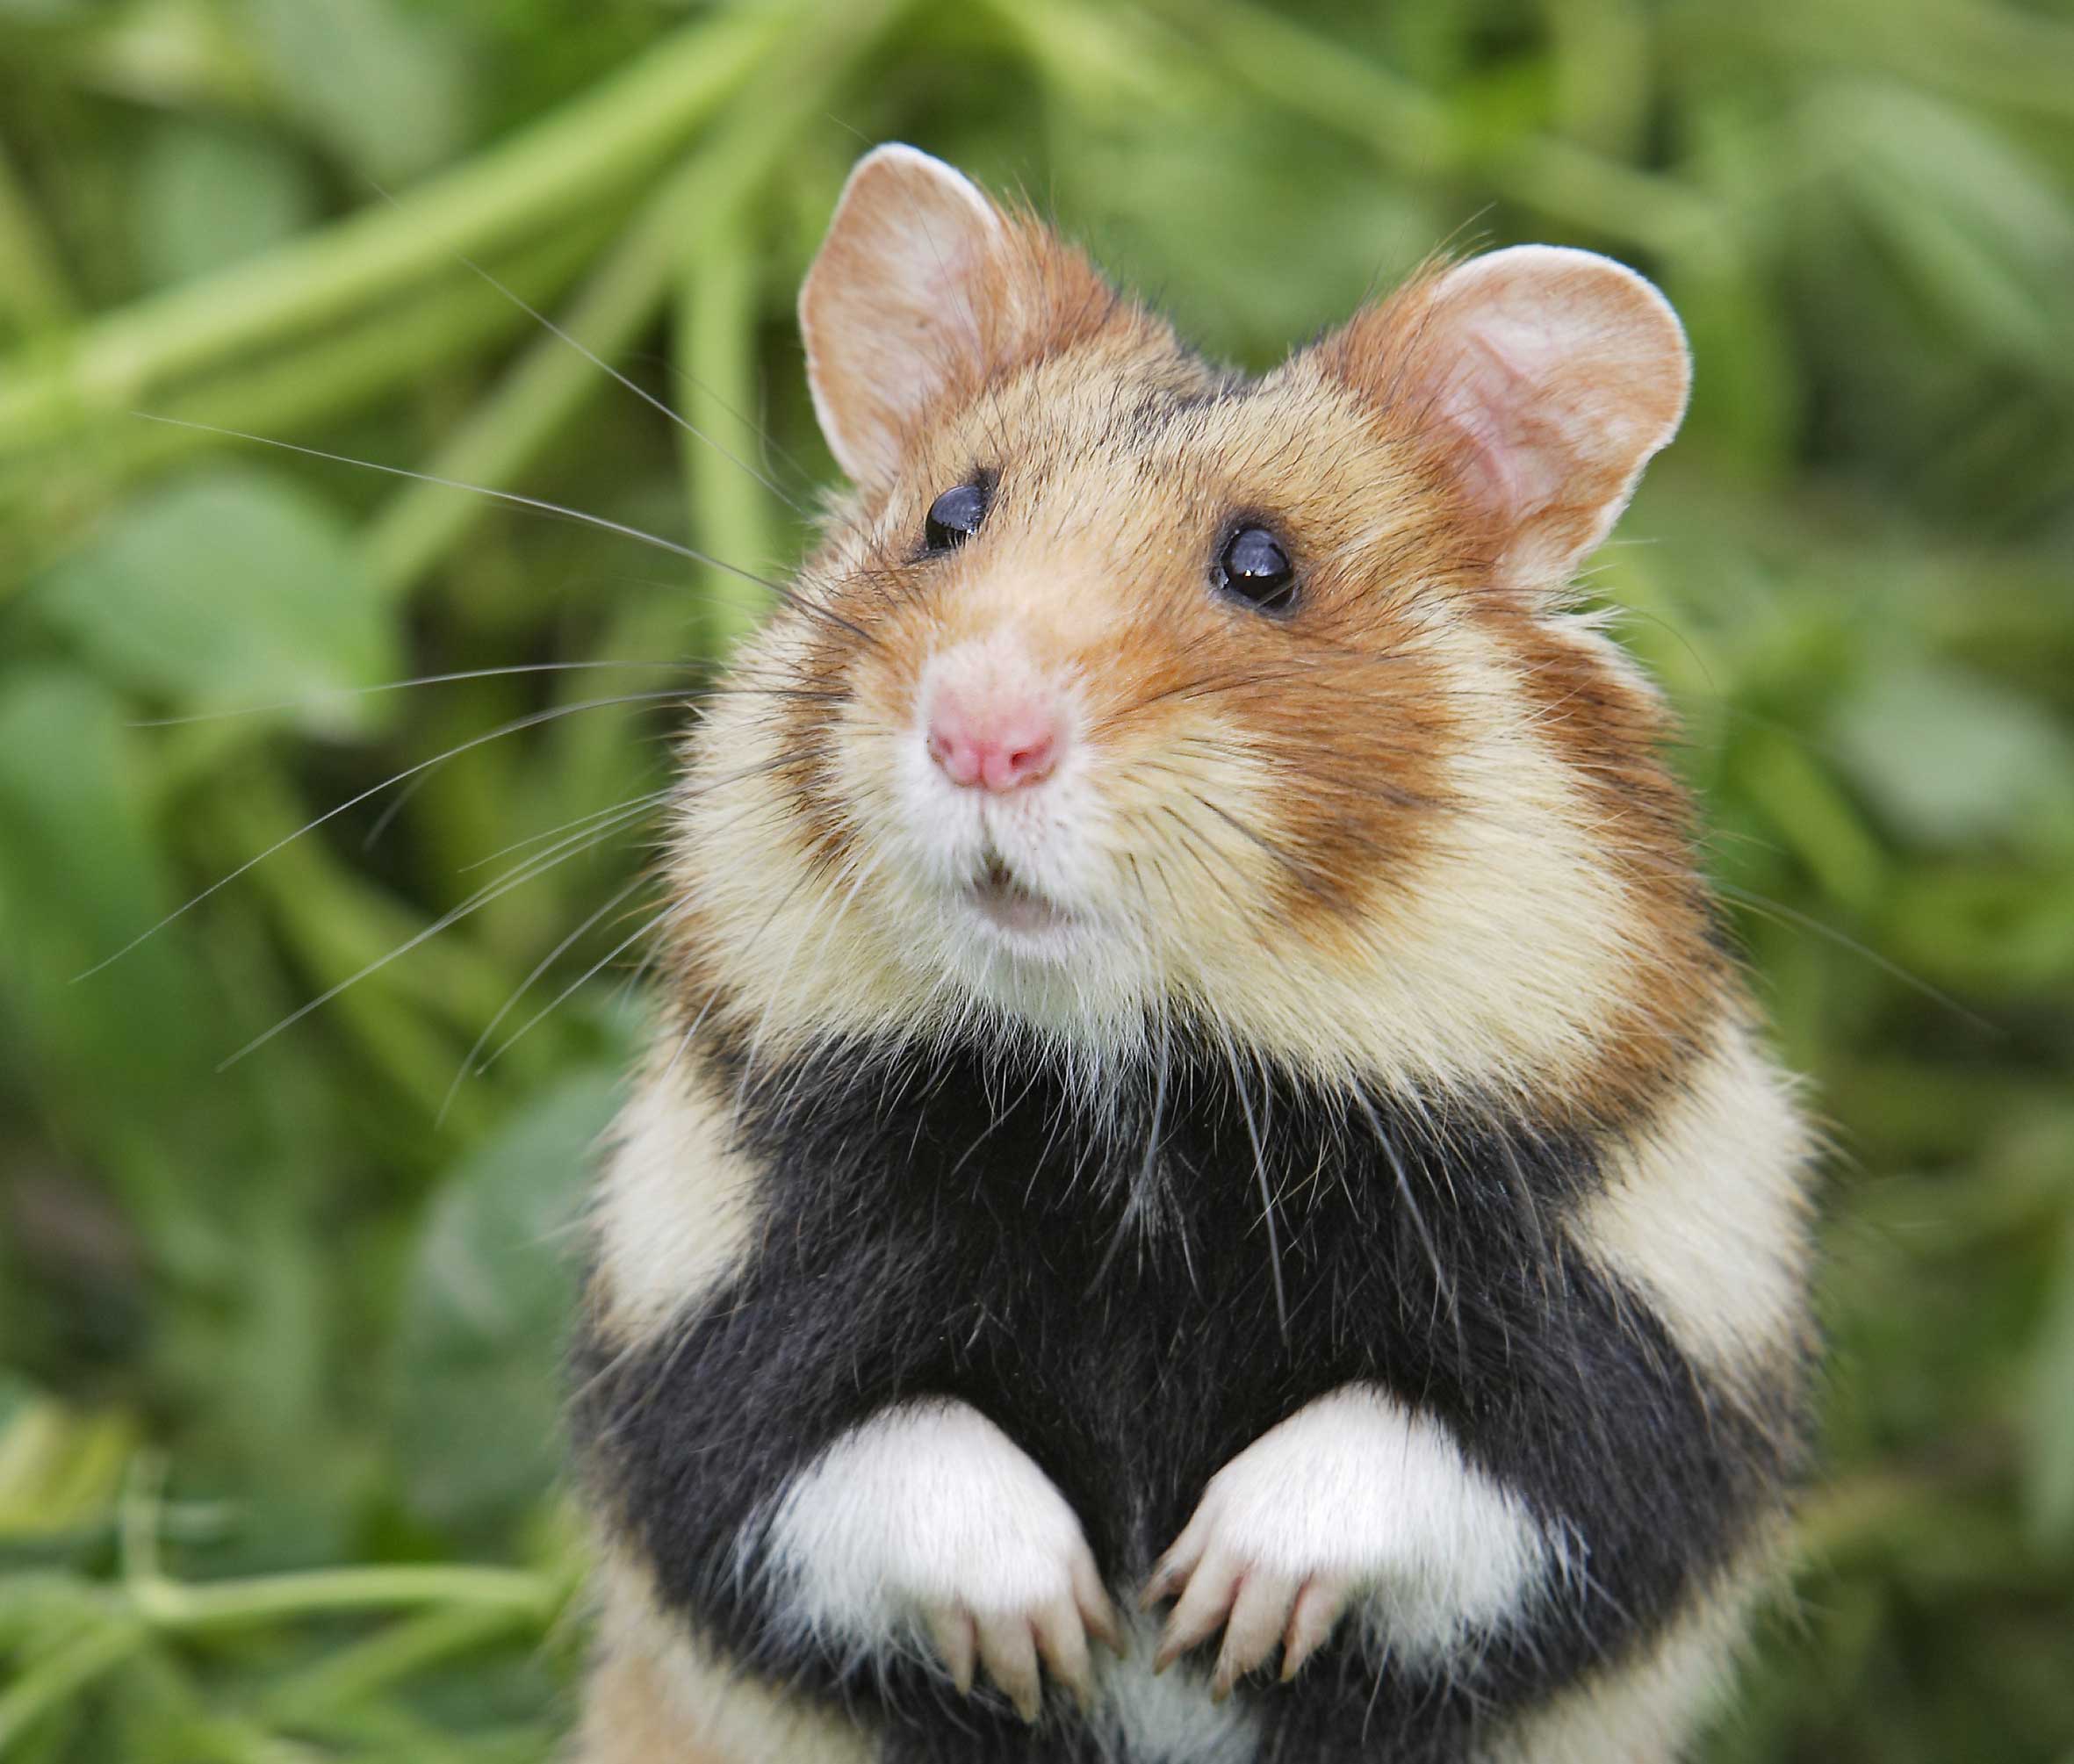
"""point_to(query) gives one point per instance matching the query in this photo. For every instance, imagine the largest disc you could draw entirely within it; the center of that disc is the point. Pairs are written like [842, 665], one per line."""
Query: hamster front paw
[1029, 1601]
[1224, 1572]
[930, 1518]
[1354, 1498]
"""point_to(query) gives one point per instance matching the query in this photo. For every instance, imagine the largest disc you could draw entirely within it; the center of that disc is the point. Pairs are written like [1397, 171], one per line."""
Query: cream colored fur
[1497, 958]
[670, 1212]
[1651, 1709]
[1704, 1210]
[657, 1695]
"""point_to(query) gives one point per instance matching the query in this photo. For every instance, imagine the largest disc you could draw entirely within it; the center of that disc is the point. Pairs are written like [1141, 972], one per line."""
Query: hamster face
[1204, 784]
[1127, 693]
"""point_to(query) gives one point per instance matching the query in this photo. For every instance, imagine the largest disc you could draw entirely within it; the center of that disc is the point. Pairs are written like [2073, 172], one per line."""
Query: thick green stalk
[43, 501]
[543, 392]
[228, 1604]
[597, 144]
[717, 308]
[398, 1650]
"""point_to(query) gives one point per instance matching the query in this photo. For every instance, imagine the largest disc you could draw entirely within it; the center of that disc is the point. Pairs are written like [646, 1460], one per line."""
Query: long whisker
[402, 799]
[641, 392]
[691, 554]
[392, 686]
[633, 803]
[1267, 1194]
[511, 728]
[1763, 904]
[643, 929]
[528, 871]
[469, 1064]
[546, 961]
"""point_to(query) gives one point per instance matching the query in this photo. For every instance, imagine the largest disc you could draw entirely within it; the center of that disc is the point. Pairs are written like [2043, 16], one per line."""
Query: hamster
[1207, 1189]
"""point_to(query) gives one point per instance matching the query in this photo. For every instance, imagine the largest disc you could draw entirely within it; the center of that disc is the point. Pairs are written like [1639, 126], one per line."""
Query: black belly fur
[1097, 1278]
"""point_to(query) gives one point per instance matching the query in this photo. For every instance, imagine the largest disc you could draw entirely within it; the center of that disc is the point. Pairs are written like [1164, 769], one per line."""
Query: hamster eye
[955, 516]
[1254, 566]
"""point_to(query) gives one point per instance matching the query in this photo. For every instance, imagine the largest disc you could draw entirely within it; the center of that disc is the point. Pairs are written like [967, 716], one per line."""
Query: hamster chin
[1008, 937]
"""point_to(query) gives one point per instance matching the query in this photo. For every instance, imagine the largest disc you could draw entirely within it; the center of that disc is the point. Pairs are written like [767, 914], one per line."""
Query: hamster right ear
[908, 299]
[1549, 376]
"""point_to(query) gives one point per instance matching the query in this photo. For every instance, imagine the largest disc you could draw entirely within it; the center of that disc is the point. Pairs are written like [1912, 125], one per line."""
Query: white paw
[928, 1518]
[1352, 1498]
[1227, 1577]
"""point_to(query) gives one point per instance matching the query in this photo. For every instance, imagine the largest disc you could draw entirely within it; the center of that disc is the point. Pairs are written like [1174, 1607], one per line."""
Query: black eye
[1254, 566]
[955, 516]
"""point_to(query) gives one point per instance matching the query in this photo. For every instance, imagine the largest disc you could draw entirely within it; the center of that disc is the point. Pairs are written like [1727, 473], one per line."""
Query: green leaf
[209, 194]
[78, 880]
[490, 1298]
[378, 84]
[1952, 758]
[227, 590]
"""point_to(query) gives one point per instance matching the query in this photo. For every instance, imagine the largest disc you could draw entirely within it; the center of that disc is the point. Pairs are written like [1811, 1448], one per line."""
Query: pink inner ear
[1491, 401]
[1558, 373]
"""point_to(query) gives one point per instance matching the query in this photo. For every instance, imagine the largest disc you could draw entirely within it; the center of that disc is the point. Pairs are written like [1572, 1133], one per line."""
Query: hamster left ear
[922, 291]
[1551, 375]
[899, 304]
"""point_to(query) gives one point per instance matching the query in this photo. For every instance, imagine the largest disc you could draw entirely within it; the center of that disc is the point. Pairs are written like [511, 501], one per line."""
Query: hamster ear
[905, 302]
[1552, 374]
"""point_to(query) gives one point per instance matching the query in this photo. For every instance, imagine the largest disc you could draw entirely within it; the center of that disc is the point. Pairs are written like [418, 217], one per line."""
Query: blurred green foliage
[278, 1338]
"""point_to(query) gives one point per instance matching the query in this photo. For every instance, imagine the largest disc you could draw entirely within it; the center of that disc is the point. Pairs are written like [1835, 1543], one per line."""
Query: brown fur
[1350, 708]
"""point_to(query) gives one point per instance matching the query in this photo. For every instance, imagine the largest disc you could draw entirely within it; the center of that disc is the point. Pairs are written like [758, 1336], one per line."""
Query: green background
[278, 1340]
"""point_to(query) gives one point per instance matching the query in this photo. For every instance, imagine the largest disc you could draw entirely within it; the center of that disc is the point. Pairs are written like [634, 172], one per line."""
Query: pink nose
[999, 745]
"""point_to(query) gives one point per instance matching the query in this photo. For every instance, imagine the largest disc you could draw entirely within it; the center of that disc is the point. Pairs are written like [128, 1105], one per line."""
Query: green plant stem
[602, 141]
[221, 1604]
[66, 1672]
[507, 429]
[448, 322]
[406, 1647]
[540, 395]
[717, 307]
[33, 286]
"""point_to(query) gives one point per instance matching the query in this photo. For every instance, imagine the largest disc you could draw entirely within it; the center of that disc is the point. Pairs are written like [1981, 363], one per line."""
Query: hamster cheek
[1355, 1501]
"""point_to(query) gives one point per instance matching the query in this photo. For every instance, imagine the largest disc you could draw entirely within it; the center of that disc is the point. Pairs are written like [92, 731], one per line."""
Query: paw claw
[1312, 1620]
[1008, 1650]
[950, 1629]
[1062, 1641]
[1257, 1606]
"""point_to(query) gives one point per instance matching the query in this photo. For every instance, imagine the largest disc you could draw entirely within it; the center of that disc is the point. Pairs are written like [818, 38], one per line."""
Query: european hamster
[1208, 1189]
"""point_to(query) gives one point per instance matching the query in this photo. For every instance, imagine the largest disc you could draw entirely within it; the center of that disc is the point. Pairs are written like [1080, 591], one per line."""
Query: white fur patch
[926, 1503]
[1704, 1210]
[1356, 1484]
[671, 1212]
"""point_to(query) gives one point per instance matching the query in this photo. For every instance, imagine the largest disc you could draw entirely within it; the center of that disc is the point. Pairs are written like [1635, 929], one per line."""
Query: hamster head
[1126, 693]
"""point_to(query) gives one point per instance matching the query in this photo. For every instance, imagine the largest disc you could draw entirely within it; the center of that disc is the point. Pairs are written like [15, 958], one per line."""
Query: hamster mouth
[1007, 903]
